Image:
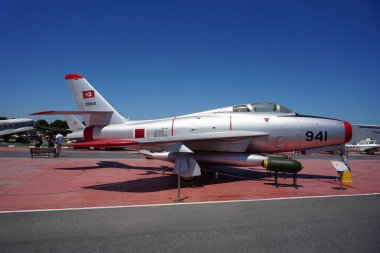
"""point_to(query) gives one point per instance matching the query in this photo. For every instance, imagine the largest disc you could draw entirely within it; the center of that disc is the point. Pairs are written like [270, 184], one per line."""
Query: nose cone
[348, 131]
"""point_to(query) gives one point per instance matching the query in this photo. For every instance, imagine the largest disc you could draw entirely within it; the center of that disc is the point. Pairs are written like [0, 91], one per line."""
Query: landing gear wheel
[187, 182]
[187, 179]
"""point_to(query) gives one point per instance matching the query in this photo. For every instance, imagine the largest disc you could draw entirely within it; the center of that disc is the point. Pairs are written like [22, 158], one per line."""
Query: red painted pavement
[49, 183]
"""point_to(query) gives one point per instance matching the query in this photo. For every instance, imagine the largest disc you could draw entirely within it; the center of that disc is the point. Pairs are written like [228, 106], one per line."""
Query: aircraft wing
[16, 130]
[171, 143]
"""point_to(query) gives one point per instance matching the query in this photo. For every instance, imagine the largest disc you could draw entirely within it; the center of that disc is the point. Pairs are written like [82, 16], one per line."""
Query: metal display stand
[178, 199]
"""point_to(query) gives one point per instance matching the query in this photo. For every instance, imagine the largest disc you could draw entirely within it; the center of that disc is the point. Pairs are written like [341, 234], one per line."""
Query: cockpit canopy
[257, 108]
[261, 108]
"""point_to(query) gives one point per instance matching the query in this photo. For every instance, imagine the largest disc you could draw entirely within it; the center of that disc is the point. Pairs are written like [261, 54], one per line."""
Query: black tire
[187, 179]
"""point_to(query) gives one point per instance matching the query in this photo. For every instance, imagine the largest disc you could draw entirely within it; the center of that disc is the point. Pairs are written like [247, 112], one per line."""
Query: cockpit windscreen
[262, 108]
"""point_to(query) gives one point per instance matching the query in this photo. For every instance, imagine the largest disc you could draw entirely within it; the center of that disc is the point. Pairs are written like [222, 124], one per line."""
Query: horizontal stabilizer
[95, 118]
[70, 112]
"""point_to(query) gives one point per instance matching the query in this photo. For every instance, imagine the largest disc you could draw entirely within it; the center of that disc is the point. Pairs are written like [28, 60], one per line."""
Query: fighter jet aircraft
[13, 126]
[367, 146]
[235, 136]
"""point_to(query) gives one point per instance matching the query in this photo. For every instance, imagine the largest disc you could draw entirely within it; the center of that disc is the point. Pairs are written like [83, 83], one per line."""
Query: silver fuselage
[15, 123]
[286, 132]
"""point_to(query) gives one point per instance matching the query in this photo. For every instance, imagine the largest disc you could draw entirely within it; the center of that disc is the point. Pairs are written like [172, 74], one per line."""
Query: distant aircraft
[234, 136]
[367, 146]
[9, 127]
[76, 127]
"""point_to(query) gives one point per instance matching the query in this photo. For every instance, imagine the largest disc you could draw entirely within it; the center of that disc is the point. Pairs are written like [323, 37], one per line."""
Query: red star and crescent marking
[88, 94]
[266, 119]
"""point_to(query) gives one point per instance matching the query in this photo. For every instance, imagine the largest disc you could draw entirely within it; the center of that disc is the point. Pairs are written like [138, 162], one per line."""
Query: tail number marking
[90, 103]
[320, 136]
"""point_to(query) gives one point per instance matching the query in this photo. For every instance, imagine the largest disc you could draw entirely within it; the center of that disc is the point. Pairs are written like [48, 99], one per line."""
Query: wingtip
[73, 76]
[41, 113]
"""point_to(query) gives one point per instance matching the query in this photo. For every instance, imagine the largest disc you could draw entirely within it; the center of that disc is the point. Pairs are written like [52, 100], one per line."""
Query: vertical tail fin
[89, 99]
[75, 125]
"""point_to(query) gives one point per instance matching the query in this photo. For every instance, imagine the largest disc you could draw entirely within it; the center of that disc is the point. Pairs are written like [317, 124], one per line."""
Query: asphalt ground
[332, 224]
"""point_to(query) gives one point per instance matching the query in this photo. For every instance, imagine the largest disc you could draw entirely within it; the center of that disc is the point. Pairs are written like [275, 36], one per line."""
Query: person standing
[59, 141]
[38, 143]
[50, 141]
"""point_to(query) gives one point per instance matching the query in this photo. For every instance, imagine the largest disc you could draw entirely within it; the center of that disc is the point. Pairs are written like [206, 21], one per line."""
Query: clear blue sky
[153, 59]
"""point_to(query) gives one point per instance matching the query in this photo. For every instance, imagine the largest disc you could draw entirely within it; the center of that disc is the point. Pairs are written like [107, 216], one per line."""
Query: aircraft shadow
[225, 175]
[166, 182]
[260, 174]
[118, 165]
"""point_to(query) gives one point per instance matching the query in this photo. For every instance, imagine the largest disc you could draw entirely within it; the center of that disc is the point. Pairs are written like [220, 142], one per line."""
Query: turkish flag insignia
[266, 119]
[88, 94]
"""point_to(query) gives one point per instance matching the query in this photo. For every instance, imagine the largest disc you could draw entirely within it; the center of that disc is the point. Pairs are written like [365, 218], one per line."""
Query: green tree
[59, 124]
[42, 123]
